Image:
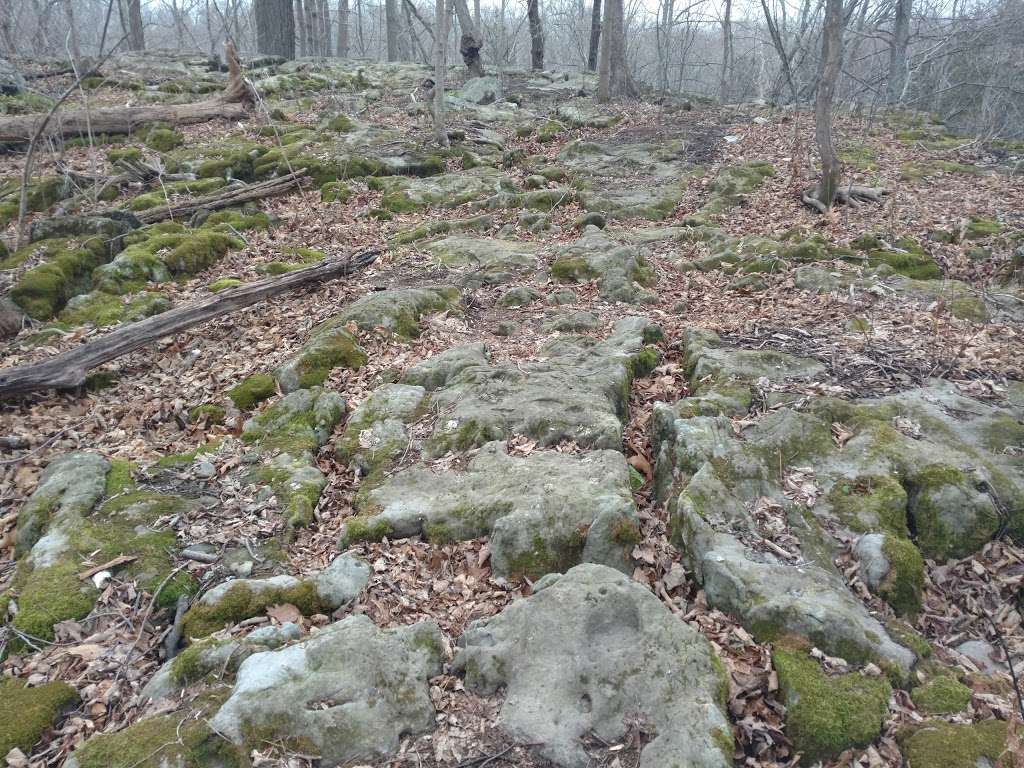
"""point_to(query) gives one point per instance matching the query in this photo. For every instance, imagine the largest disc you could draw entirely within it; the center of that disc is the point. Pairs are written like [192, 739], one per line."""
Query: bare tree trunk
[136, 36]
[476, 13]
[440, 71]
[898, 51]
[536, 35]
[831, 65]
[392, 20]
[325, 14]
[604, 72]
[595, 36]
[303, 27]
[6, 29]
[613, 79]
[275, 27]
[69, 17]
[343, 29]
[470, 42]
[723, 82]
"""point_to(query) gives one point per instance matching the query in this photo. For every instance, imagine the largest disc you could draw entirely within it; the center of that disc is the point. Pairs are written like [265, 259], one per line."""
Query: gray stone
[562, 297]
[571, 322]
[68, 489]
[110, 231]
[449, 190]
[11, 81]
[330, 347]
[621, 270]
[351, 690]
[481, 90]
[483, 261]
[576, 390]
[397, 310]
[586, 653]
[256, 586]
[342, 581]
[982, 654]
[520, 296]
[543, 512]
[376, 432]
[299, 422]
[274, 636]
[874, 565]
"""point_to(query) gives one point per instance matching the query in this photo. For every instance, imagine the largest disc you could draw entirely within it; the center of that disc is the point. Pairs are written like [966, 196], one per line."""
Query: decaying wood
[233, 104]
[67, 370]
[222, 199]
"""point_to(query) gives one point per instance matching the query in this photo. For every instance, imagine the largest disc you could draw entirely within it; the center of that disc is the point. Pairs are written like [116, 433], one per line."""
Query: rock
[111, 231]
[274, 636]
[481, 90]
[397, 310]
[330, 347]
[749, 283]
[483, 261]
[375, 433]
[403, 194]
[936, 744]
[621, 270]
[543, 512]
[983, 654]
[299, 423]
[12, 318]
[874, 566]
[733, 183]
[351, 690]
[26, 713]
[562, 297]
[585, 653]
[67, 491]
[11, 81]
[575, 391]
[571, 322]
[205, 469]
[343, 580]
[520, 296]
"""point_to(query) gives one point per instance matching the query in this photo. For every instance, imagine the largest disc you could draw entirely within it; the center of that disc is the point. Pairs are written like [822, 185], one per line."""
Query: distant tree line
[961, 60]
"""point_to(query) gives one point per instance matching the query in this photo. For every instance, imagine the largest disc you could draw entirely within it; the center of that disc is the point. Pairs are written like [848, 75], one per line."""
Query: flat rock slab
[620, 269]
[450, 190]
[483, 260]
[587, 652]
[352, 691]
[577, 390]
[544, 512]
[396, 310]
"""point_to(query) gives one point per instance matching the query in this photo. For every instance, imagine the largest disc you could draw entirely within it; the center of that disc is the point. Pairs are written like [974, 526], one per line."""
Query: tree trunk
[392, 21]
[613, 79]
[275, 27]
[343, 29]
[6, 29]
[302, 27]
[723, 81]
[232, 104]
[604, 70]
[136, 36]
[470, 41]
[67, 370]
[898, 51]
[595, 36]
[831, 65]
[536, 35]
[440, 71]
[69, 17]
[325, 14]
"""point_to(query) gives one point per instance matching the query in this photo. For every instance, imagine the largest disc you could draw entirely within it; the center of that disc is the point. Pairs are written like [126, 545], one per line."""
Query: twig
[38, 448]
[119, 560]
[1009, 663]
[145, 620]
[174, 636]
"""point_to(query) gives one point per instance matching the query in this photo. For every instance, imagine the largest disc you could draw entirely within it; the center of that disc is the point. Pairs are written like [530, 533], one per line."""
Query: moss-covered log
[67, 370]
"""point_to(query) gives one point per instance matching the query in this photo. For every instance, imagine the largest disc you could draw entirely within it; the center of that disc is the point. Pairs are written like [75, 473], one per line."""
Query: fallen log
[67, 370]
[233, 104]
[224, 199]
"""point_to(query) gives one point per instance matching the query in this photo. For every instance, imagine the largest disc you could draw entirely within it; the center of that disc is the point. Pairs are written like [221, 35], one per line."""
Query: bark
[325, 26]
[275, 27]
[536, 35]
[136, 35]
[313, 17]
[831, 65]
[232, 104]
[470, 41]
[6, 28]
[595, 37]
[604, 83]
[69, 18]
[302, 27]
[221, 200]
[723, 82]
[440, 71]
[898, 51]
[614, 80]
[391, 21]
[67, 370]
[343, 29]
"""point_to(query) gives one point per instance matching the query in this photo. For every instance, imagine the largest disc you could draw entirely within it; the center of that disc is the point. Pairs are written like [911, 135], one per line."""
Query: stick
[67, 370]
[119, 560]
[174, 636]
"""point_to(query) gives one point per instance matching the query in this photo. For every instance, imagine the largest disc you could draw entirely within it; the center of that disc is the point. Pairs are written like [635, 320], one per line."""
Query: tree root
[851, 195]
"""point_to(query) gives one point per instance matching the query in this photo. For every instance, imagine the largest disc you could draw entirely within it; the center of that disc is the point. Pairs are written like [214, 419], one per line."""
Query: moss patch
[240, 602]
[50, 595]
[826, 715]
[944, 745]
[941, 696]
[904, 583]
[254, 389]
[26, 713]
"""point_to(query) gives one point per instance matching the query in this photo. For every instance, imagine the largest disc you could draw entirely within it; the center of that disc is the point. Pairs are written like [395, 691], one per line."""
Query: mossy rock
[163, 139]
[828, 715]
[222, 284]
[211, 412]
[103, 309]
[903, 586]
[252, 391]
[44, 290]
[978, 229]
[941, 695]
[335, 192]
[26, 713]
[936, 744]
[241, 602]
[48, 595]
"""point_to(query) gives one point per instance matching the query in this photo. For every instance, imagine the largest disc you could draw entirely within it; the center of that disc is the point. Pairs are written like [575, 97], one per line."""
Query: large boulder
[621, 269]
[11, 81]
[351, 691]
[588, 651]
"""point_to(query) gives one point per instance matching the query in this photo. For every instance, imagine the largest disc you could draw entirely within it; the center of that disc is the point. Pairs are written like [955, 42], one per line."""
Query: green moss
[978, 229]
[24, 104]
[934, 538]
[26, 713]
[176, 739]
[725, 742]
[223, 284]
[163, 139]
[335, 192]
[50, 595]
[128, 153]
[240, 602]
[871, 503]
[861, 156]
[119, 478]
[827, 715]
[549, 131]
[334, 350]
[340, 124]
[364, 528]
[941, 696]
[969, 308]
[574, 269]
[907, 636]
[104, 309]
[233, 220]
[44, 290]
[214, 414]
[100, 380]
[904, 583]
[944, 745]
[177, 460]
[626, 532]
[1003, 432]
[254, 389]
[236, 164]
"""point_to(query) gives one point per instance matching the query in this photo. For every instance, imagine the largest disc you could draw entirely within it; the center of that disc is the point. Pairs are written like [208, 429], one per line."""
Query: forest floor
[954, 205]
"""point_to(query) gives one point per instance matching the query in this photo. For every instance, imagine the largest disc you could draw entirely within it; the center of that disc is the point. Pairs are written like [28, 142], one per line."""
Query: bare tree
[614, 80]
[440, 70]
[302, 27]
[727, 62]
[831, 65]
[536, 35]
[898, 51]
[392, 22]
[595, 36]
[275, 27]
[343, 28]
[470, 41]
[136, 35]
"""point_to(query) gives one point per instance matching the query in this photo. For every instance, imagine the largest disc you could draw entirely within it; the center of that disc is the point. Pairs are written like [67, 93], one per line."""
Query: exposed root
[851, 195]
